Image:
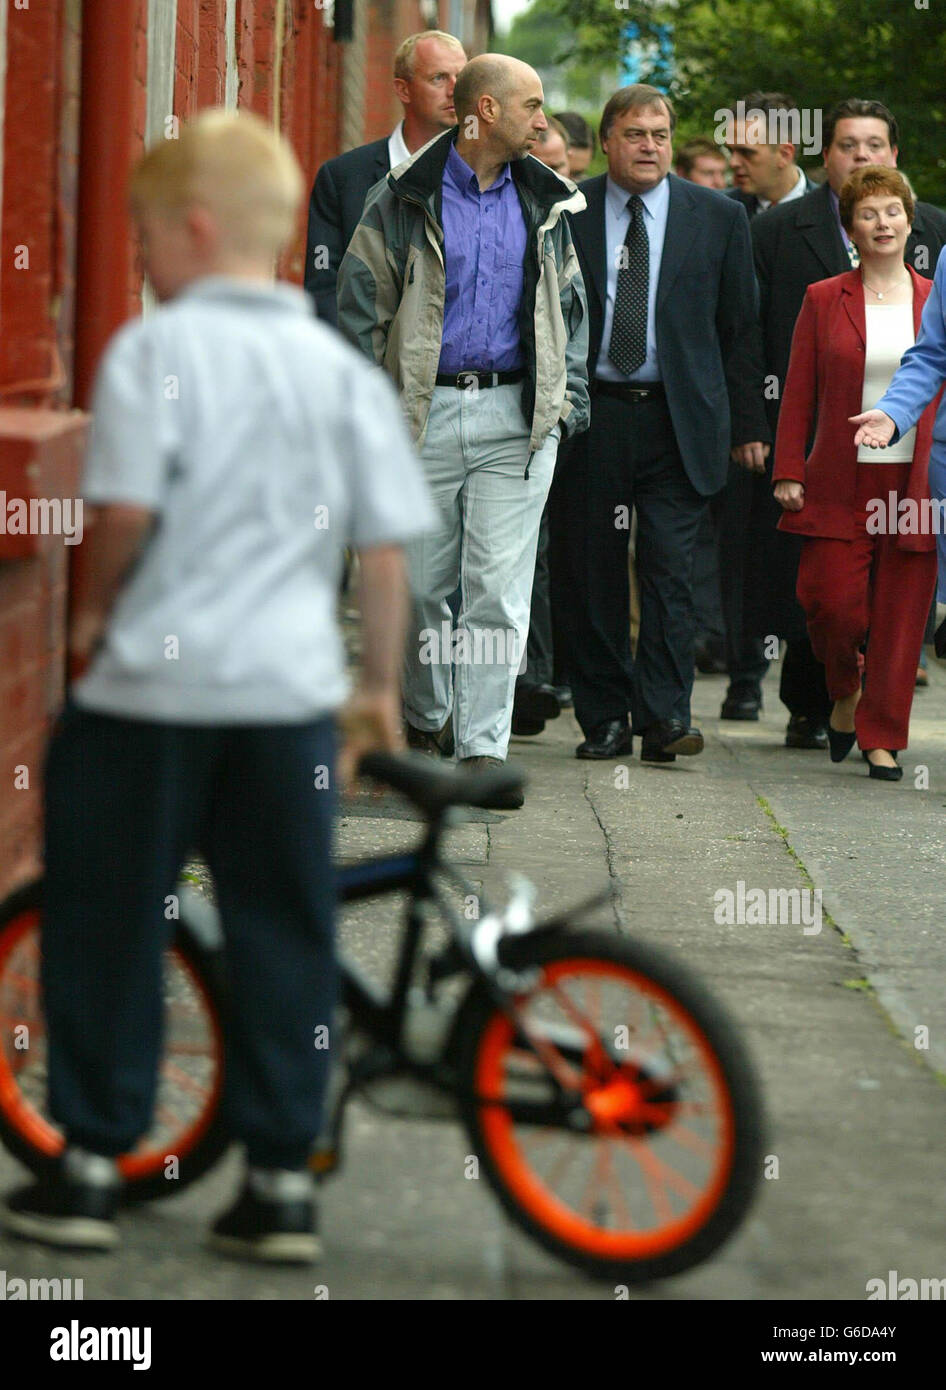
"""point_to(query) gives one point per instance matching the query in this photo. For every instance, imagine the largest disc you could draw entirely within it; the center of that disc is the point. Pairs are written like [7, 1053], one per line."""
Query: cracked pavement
[856, 1103]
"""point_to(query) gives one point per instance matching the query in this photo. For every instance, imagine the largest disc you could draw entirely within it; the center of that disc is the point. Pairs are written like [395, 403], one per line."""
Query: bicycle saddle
[432, 786]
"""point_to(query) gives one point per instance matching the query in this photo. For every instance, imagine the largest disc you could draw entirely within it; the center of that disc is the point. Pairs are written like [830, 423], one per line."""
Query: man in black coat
[763, 137]
[795, 245]
[426, 67]
[674, 362]
[763, 134]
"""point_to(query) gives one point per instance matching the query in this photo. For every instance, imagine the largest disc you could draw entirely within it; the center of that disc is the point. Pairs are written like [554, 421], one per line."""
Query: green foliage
[543, 37]
[818, 51]
[539, 36]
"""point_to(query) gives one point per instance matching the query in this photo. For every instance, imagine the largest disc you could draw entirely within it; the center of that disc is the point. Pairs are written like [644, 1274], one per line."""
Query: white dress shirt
[616, 222]
[799, 191]
[397, 150]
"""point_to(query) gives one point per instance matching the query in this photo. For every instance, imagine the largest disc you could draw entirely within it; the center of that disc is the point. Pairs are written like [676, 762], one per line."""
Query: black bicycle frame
[382, 1014]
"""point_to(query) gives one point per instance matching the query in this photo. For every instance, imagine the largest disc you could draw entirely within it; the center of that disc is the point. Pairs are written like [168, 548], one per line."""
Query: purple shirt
[484, 249]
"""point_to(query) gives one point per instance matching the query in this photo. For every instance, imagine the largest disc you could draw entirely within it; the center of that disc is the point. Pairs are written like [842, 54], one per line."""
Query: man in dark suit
[762, 136]
[796, 244]
[676, 385]
[764, 170]
[426, 67]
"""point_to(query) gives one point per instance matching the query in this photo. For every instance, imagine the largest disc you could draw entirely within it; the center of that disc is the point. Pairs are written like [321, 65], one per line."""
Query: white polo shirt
[264, 445]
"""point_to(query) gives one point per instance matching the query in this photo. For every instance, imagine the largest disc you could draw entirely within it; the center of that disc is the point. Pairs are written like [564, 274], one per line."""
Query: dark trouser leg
[539, 646]
[745, 654]
[707, 605]
[669, 510]
[557, 515]
[591, 591]
[270, 854]
[124, 802]
[802, 687]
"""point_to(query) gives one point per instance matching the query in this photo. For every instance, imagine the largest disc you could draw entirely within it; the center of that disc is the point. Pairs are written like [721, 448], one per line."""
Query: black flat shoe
[883, 774]
[609, 740]
[663, 741]
[840, 744]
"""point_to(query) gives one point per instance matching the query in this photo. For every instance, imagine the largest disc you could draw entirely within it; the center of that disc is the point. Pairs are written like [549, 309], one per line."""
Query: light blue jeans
[475, 455]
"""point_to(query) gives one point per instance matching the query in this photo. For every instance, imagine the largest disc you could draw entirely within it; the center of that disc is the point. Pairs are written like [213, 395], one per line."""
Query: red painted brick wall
[28, 348]
[30, 596]
[389, 23]
[63, 304]
[309, 105]
[39, 201]
[38, 305]
[185, 58]
[32, 631]
[212, 53]
[140, 81]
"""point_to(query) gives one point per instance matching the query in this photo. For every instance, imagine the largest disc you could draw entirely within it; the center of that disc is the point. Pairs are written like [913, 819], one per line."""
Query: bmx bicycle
[611, 1103]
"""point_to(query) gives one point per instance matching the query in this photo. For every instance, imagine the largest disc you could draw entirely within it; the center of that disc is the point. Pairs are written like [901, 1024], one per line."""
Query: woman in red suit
[867, 571]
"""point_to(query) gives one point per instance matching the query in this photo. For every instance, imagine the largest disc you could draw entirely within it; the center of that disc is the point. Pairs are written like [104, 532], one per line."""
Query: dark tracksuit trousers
[126, 802]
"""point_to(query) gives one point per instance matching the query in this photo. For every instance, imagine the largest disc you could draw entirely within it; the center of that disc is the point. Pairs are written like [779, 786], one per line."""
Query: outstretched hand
[876, 429]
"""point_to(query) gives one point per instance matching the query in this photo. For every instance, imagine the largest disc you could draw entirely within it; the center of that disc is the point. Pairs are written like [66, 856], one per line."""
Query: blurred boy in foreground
[238, 446]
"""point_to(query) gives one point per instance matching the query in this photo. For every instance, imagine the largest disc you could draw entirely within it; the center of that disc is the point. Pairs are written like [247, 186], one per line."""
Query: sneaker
[276, 1231]
[65, 1212]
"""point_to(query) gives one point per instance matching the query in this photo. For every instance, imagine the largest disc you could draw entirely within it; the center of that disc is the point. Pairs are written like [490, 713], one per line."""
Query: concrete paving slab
[857, 1114]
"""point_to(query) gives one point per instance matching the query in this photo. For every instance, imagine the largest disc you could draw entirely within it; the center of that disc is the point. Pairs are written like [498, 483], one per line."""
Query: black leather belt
[625, 391]
[463, 381]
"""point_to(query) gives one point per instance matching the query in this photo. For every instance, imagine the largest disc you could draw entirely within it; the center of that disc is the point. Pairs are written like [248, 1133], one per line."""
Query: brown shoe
[510, 800]
[435, 743]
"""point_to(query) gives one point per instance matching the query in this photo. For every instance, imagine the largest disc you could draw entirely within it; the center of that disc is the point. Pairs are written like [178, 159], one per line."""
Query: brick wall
[326, 94]
[64, 301]
[39, 445]
[28, 259]
[212, 50]
[39, 454]
[309, 104]
[389, 23]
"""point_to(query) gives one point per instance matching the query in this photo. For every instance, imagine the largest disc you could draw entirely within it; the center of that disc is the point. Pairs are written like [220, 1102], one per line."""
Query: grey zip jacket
[392, 286]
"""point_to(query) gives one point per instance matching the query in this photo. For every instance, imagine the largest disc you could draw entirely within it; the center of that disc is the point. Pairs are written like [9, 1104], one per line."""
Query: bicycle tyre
[480, 1034]
[26, 1131]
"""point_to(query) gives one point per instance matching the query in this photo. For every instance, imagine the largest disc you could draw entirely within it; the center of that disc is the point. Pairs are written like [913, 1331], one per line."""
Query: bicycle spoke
[659, 1175]
[617, 1198]
[562, 1161]
[688, 1139]
[183, 1079]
